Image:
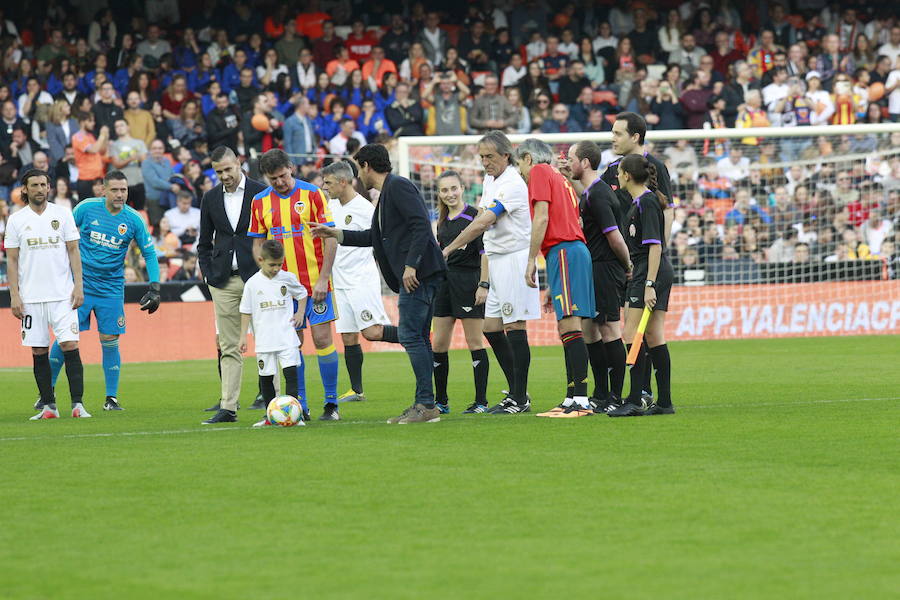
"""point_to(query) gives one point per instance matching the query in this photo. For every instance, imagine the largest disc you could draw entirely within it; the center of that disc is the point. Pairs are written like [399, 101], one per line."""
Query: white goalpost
[798, 213]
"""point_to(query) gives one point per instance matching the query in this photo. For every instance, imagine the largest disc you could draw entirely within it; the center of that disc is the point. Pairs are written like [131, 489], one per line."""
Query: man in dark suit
[410, 261]
[226, 261]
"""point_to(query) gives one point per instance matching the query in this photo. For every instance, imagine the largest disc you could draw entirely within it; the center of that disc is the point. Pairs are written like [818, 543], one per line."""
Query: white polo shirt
[512, 231]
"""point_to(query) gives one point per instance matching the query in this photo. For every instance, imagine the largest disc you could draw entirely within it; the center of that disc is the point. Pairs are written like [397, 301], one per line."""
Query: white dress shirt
[234, 201]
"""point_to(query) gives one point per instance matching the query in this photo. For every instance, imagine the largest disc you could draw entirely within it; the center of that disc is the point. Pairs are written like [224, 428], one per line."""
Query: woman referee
[651, 284]
[461, 296]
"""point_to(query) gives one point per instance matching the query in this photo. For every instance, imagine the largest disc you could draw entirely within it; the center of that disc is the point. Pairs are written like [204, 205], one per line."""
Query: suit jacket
[57, 139]
[401, 234]
[218, 242]
[430, 50]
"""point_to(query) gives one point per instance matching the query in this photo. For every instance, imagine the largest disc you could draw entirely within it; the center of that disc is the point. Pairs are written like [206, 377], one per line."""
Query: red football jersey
[546, 184]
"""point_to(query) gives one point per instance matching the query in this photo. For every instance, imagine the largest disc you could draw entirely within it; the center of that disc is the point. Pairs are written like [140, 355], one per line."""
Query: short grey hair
[499, 141]
[340, 170]
[540, 152]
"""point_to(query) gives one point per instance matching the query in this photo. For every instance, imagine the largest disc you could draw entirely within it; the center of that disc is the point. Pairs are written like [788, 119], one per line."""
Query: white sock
[568, 402]
[581, 401]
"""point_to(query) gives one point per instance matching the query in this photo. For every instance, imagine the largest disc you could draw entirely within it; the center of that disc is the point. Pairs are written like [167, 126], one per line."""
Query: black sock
[43, 377]
[290, 379]
[481, 366]
[441, 373]
[75, 374]
[499, 342]
[597, 355]
[389, 334]
[663, 365]
[267, 387]
[570, 385]
[576, 351]
[615, 359]
[353, 358]
[518, 341]
[636, 375]
[648, 370]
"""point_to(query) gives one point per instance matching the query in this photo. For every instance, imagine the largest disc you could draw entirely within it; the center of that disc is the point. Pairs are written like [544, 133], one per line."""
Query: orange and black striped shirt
[286, 218]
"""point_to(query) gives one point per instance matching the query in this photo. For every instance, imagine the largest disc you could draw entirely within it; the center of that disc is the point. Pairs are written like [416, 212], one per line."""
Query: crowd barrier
[185, 330]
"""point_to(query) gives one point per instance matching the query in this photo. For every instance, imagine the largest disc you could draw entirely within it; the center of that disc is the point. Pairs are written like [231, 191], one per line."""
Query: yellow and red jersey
[286, 219]
[845, 108]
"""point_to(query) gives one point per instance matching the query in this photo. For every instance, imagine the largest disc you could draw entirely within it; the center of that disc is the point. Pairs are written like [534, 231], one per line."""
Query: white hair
[540, 152]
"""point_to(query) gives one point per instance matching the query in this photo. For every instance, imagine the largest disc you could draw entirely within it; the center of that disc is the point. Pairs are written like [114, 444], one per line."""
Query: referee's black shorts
[456, 296]
[609, 290]
[634, 294]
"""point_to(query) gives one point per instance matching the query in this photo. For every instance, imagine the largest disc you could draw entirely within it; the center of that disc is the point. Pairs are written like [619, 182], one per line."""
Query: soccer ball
[284, 411]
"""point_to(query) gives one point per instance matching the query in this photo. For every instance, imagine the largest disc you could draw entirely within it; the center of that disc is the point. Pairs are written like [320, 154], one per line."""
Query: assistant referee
[461, 296]
[650, 285]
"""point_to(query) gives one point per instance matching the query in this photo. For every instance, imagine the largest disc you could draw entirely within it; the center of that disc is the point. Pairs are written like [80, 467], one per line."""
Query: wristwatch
[650, 283]
[484, 284]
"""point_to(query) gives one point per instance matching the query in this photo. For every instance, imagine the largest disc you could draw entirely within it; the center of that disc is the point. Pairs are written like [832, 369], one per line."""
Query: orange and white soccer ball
[285, 411]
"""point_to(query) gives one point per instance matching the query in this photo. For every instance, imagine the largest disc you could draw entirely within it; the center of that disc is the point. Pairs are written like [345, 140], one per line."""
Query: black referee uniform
[611, 177]
[456, 296]
[600, 214]
[645, 225]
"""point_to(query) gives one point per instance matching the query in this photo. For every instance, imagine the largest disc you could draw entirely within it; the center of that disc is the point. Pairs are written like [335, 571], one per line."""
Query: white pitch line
[375, 422]
[800, 403]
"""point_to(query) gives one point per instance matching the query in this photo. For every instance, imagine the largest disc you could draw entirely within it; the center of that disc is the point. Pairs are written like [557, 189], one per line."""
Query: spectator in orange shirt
[340, 68]
[310, 22]
[360, 42]
[377, 66]
[90, 154]
[273, 26]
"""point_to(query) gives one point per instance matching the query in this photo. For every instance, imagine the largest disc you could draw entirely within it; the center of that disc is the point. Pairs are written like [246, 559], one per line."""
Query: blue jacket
[295, 140]
[198, 79]
[56, 137]
[231, 77]
[156, 177]
[327, 127]
[368, 129]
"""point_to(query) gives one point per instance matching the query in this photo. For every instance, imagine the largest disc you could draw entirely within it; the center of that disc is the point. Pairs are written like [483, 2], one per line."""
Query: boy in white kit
[270, 301]
[45, 287]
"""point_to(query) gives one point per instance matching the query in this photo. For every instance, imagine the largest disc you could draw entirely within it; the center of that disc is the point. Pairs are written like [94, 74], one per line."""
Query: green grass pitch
[778, 478]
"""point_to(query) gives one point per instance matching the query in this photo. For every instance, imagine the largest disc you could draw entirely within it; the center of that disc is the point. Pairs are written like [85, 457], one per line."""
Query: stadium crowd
[151, 88]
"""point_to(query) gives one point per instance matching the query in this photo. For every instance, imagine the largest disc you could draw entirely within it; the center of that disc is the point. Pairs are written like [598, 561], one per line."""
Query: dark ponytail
[654, 186]
[644, 172]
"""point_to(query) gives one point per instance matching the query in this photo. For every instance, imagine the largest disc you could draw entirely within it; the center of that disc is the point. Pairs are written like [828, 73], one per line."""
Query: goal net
[778, 231]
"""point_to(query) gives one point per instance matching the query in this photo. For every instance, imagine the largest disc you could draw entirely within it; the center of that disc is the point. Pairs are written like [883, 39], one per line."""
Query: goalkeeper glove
[150, 301]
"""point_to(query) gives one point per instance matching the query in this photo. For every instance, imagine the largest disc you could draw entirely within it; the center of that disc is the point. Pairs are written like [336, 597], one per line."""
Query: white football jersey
[353, 267]
[45, 274]
[512, 231]
[270, 304]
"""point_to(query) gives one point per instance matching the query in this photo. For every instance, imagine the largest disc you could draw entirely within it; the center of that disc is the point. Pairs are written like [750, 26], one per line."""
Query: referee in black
[461, 296]
[600, 217]
[650, 284]
[628, 133]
